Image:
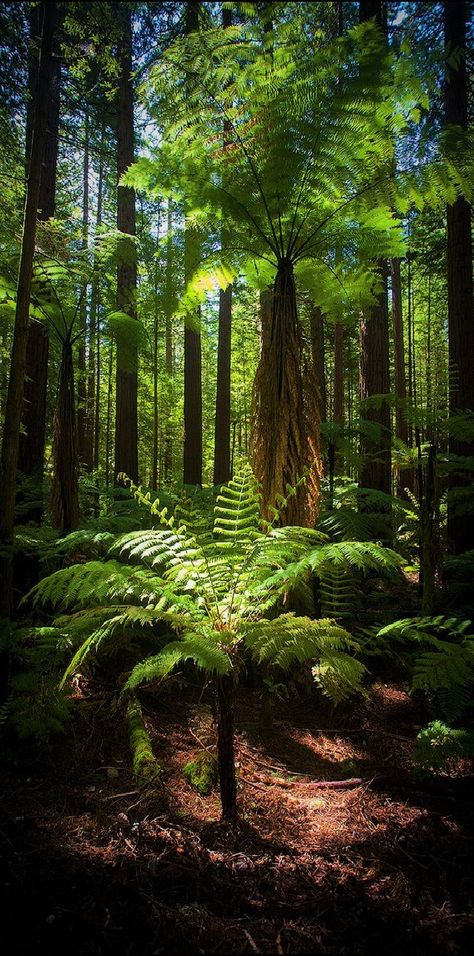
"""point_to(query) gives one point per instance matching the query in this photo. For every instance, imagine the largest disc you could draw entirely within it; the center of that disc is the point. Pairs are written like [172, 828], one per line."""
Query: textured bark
[84, 443]
[192, 453]
[339, 374]
[14, 401]
[32, 439]
[168, 433]
[285, 426]
[222, 472]
[399, 351]
[460, 282]
[65, 486]
[95, 324]
[126, 413]
[374, 351]
[225, 747]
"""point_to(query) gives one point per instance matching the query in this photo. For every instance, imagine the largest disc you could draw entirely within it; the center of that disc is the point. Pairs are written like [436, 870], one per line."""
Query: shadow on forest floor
[90, 865]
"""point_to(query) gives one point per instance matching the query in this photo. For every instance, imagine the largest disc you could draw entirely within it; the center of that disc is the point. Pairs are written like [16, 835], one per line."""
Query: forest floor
[90, 865]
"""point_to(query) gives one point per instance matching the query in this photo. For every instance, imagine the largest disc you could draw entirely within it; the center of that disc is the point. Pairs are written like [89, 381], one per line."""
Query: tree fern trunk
[285, 427]
[225, 746]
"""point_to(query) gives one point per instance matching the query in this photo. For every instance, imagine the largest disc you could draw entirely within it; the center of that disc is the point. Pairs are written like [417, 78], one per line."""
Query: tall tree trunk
[32, 439]
[95, 320]
[319, 359]
[460, 287]
[285, 427]
[126, 413]
[375, 380]
[14, 401]
[374, 352]
[65, 487]
[168, 439]
[192, 456]
[222, 423]
[405, 478]
[83, 430]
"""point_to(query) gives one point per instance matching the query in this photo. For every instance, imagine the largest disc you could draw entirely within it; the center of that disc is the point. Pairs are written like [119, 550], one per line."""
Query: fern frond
[289, 639]
[204, 651]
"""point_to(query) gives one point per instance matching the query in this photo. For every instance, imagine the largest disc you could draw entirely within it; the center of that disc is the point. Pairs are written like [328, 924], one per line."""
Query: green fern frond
[289, 639]
[204, 651]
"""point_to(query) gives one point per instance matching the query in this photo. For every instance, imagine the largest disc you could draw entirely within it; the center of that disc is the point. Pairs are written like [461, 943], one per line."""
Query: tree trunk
[375, 380]
[460, 288]
[405, 478]
[14, 401]
[225, 747]
[192, 457]
[84, 445]
[222, 426]
[318, 356]
[65, 487]
[95, 322]
[126, 413]
[374, 352]
[32, 439]
[222, 472]
[168, 440]
[285, 426]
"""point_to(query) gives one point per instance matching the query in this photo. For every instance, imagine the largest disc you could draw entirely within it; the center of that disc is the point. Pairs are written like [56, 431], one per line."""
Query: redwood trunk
[222, 472]
[318, 356]
[32, 439]
[126, 413]
[14, 401]
[192, 455]
[65, 487]
[460, 288]
[375, 380]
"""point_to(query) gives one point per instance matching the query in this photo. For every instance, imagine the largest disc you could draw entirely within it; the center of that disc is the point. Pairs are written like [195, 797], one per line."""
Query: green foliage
[212, 590]
[437, 745]
[440, 655]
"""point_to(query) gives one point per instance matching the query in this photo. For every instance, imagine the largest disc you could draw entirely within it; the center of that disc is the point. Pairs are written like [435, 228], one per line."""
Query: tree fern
[212, 590]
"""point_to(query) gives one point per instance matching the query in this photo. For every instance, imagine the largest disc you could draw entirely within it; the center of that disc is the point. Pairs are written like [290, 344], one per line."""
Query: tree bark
[14, 401]
[168, 438]
[192, 454]
[460, 288]
[65, 487]
[84, 445]
[374, 351]
[318, 356]
[222, 472]
[225, 747]
[32, 439]
[375, 380]
[126, 411]
[285, 426]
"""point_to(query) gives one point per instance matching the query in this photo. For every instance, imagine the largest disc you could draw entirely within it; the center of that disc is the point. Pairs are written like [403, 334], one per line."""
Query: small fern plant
[214, 591]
